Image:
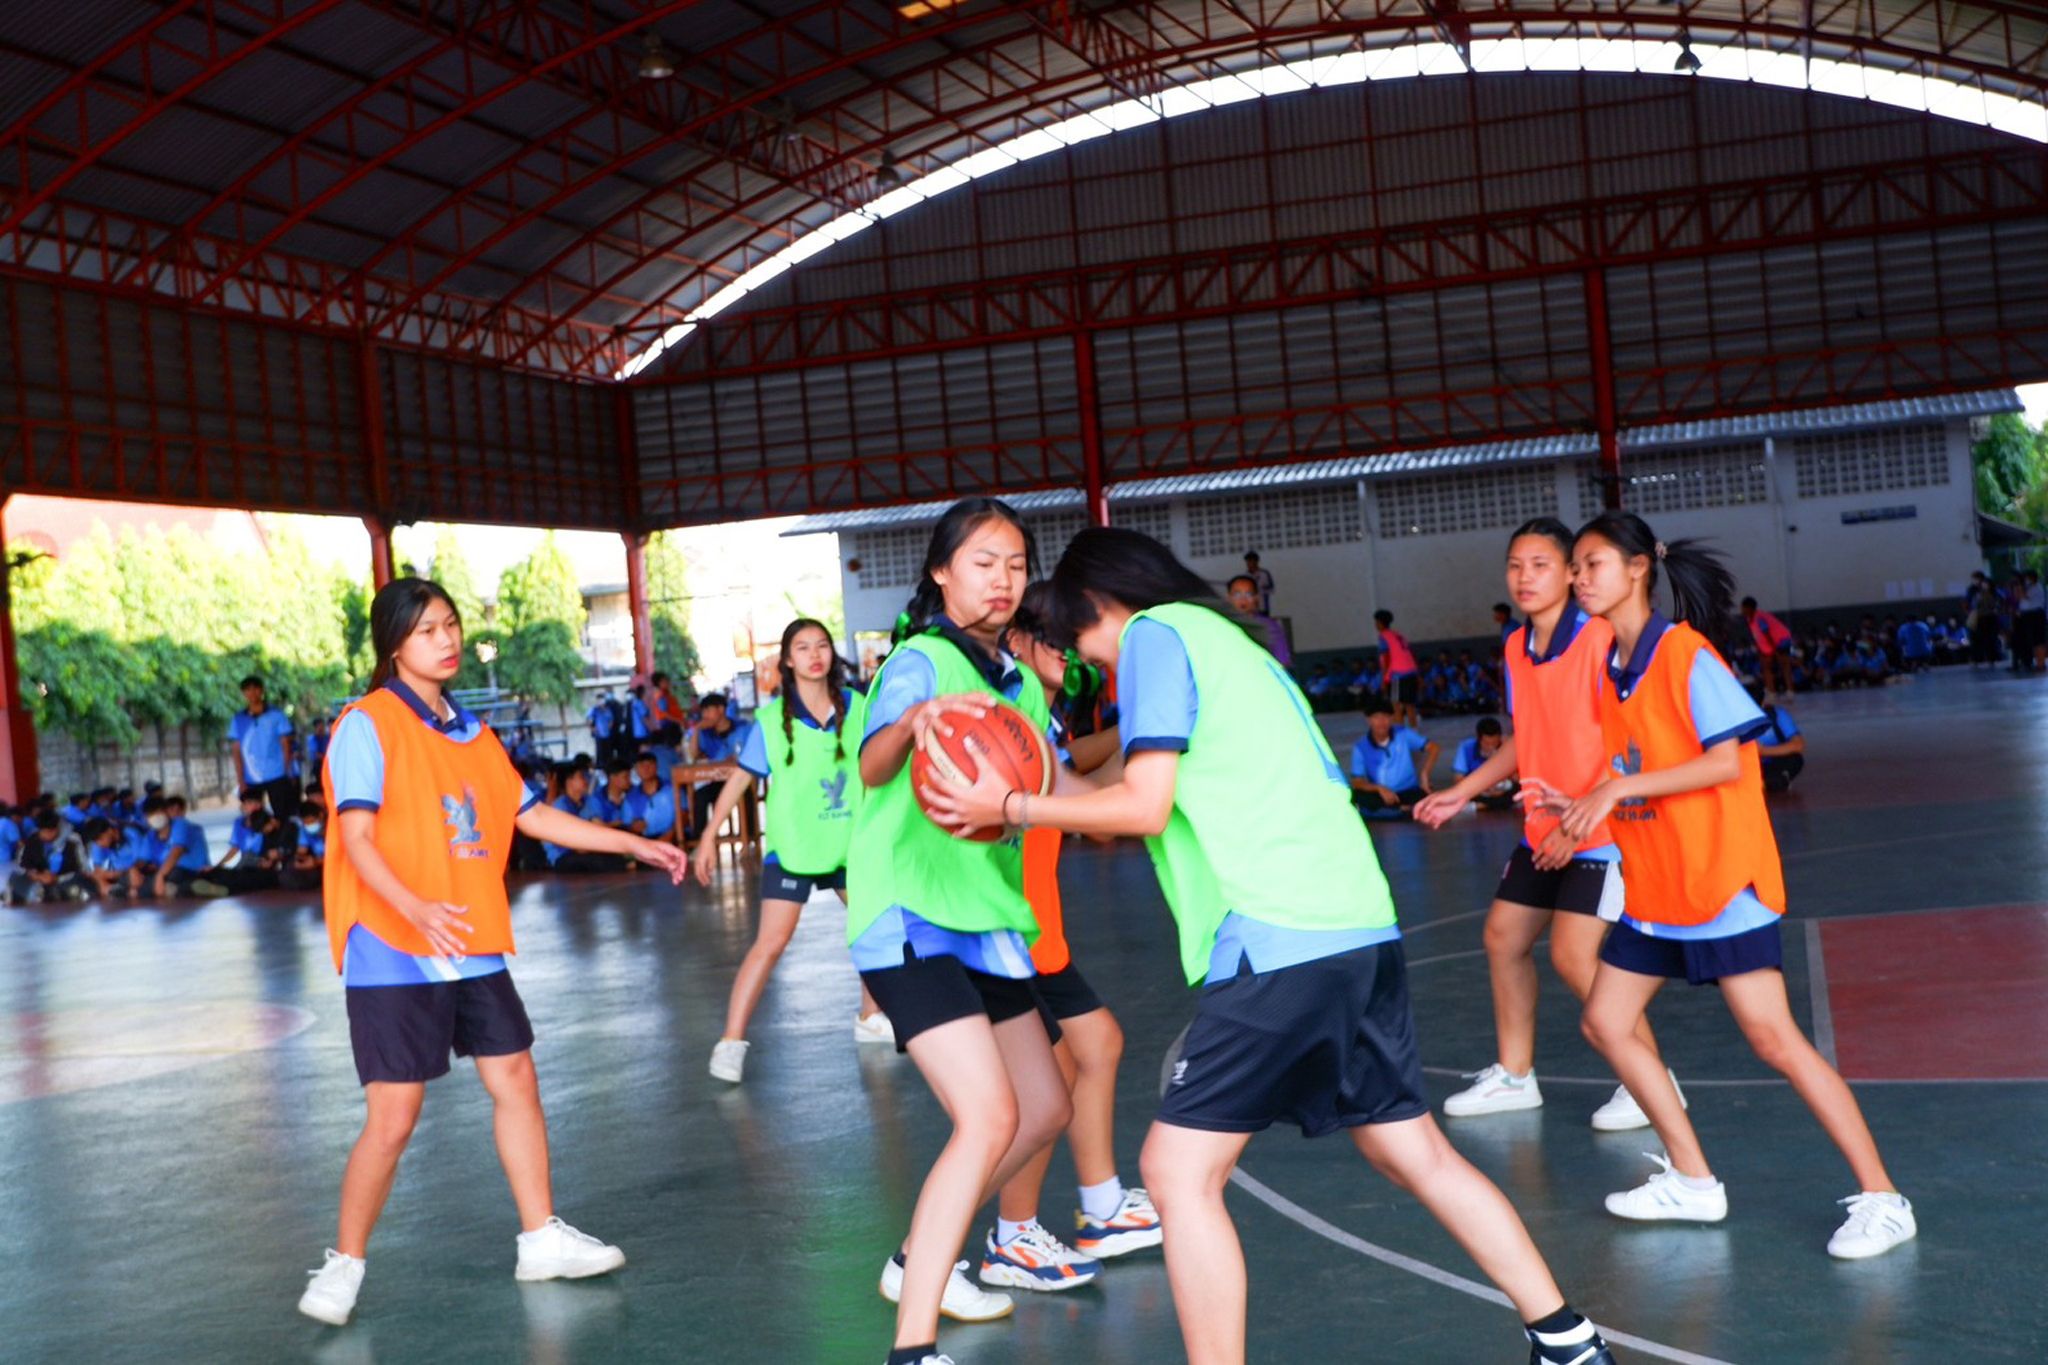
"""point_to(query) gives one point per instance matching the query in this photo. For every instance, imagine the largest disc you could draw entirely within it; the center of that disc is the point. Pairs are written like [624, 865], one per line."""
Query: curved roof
[493, 178]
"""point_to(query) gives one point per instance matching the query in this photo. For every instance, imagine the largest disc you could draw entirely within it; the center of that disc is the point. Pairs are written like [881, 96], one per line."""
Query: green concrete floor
[176, 1101]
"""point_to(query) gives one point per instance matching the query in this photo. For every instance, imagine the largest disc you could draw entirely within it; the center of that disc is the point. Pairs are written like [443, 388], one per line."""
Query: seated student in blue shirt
[712, 738]
[304, 869]
[1481, 690]
[1485, 742]
[1869, 665]
[181, 851]
[1386, 779]
[576, 799]
[651, 803]
[113, 857]
[10, 840]
[1782, 749]
[260, 848]
[52, 864]
[74, 809]
[607, 804]
[1916, 644]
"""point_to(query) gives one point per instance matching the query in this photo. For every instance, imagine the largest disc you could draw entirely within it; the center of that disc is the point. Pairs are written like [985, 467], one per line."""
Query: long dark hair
[394, 611]
[1130, 568]
[1550, 528]
[1702, 589]
[835, 683]
[961, 520]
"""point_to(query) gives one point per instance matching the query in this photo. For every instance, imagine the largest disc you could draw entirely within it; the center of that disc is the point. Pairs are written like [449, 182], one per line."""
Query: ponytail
[1702, 588]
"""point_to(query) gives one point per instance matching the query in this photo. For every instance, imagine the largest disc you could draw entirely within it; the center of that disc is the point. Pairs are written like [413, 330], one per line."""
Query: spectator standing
[1261, 579]
[1397, 665]
[263, 740]
[2029, 624]
[1773, 648]
[1245, 597]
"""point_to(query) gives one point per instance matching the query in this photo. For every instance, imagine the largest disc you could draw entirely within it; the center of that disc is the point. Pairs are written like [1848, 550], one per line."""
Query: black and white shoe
[1579, 1346]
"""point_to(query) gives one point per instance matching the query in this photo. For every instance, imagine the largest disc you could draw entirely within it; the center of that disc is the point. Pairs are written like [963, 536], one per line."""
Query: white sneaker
[875, 1028]
[1133, 1227]
[1621, 1112]
[1665, 1197]
[1877, 1223]
[331, 1297]
[963, 1301]
[729, 1059]
[1495, 1090]
[556, 1251]
[1035, 1259]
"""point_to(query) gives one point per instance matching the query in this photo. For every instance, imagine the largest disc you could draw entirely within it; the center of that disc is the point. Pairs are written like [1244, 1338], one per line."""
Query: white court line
[1817, 987]
[1294, 1212]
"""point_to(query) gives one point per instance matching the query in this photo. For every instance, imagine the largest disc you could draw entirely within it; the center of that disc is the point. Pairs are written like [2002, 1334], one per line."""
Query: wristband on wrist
[1006, 806]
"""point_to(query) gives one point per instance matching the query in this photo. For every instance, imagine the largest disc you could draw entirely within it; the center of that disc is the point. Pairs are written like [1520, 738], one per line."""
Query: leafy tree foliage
[540, 621]
[668, 607]
[158, 628]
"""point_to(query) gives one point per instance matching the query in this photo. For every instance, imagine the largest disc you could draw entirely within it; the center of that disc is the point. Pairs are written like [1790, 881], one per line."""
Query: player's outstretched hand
[667, 857]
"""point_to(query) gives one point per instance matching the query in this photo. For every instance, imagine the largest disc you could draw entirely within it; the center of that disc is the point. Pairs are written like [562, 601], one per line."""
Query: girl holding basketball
[1113, 1220]
[1569, 886]
[799, 745]
[1303, 1014]
[426, 802]
[939, 926]
[1705, 890]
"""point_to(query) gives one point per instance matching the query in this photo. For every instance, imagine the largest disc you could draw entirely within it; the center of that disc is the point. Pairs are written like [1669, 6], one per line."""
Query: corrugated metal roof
[1850, 418]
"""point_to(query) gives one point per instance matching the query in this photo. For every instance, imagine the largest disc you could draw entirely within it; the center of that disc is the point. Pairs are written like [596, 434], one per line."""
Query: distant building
[1855, 506]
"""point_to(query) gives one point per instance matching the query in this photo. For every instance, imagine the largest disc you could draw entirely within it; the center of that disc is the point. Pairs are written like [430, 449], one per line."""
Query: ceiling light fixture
[1688, 61]
[655, 62]
[887, 175]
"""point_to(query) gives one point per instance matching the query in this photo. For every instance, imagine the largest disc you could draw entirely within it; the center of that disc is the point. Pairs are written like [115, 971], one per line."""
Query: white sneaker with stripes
[1665, 1197]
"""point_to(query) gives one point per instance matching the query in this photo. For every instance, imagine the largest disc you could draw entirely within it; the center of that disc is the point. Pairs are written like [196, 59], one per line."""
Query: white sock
[1698, 1182]
[1101, 1201]
[1007, 1231]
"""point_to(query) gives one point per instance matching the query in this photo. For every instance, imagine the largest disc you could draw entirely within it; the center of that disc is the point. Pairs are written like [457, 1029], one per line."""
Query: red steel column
[636, 602]
[1602, 348]
[20, 774]
[381, 570]
[1091, 427]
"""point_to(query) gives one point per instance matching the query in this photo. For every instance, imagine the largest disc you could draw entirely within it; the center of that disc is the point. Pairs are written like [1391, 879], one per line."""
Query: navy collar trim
[459, 719]
[998, 669]
[1626, 678]
[1568, 626]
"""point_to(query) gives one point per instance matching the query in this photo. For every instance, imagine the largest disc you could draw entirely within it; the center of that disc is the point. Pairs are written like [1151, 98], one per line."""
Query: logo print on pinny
[465, 840]
[834, 788]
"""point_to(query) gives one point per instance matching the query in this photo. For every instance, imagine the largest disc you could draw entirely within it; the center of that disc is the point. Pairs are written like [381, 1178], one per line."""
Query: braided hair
[835, 683]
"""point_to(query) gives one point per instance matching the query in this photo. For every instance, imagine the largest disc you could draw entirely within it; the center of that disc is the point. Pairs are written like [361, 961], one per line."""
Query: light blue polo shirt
[260, 740]
[657, 808]
[1391, 764]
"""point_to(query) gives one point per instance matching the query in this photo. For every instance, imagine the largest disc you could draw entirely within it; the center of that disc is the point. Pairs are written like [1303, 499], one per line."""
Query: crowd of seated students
[635, 795]
[106, 844]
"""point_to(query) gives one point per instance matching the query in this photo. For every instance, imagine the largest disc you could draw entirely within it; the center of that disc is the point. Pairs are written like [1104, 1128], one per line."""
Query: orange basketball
[1006, 737]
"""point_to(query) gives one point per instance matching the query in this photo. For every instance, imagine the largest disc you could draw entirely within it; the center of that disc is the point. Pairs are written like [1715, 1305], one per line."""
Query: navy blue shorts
[1697, 960]
[405, 1033]
[1324, 1045]
[1577, 887]
[780, 884]
[926, 992]
[1067, 993]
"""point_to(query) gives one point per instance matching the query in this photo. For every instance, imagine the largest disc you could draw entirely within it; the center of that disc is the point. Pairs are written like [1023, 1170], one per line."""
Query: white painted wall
[1788, 553]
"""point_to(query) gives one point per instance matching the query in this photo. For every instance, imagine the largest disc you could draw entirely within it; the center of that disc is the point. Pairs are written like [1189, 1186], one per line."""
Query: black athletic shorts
[1067, 993]
[1324, 1045]
[405, 1033]
[1697, 960]
[1577, 887]
[1407, 688]
[926, 992]
[780, 884]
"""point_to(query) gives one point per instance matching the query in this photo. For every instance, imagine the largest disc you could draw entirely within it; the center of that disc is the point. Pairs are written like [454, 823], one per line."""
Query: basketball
[1006, 738]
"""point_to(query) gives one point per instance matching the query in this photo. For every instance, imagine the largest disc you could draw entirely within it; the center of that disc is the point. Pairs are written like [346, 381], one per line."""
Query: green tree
[540, 622]
[668, 608]
[2011, 462]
